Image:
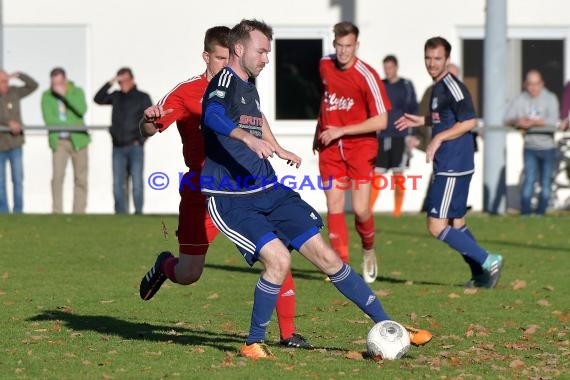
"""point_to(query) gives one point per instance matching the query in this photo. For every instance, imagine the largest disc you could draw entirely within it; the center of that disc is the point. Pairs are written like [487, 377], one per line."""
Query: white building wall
[162, 43]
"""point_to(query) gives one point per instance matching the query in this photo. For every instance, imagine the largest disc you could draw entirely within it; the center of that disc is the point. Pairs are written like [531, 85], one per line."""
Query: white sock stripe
[342, 275]
[234, 236]
[267, 288]
[444, 233]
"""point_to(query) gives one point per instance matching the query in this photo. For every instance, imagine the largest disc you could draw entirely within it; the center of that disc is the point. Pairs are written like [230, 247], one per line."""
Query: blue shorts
[447, 197]
[253, 220]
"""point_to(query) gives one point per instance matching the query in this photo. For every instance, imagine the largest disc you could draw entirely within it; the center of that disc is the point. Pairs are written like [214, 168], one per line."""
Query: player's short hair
[240, 32]
[57, 71]
[390, 58]
[344, 28]
[125, 70]
[434, 42]
[217, 35]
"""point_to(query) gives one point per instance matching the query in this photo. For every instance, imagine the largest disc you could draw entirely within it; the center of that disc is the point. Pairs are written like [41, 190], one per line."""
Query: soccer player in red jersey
[353, 109]
[183, 105]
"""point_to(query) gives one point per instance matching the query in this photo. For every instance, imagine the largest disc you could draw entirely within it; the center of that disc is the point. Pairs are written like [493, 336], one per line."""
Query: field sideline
[69, 305]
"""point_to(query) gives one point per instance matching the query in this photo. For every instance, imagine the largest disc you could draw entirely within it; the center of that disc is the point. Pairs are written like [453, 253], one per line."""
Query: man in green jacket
[64, 105]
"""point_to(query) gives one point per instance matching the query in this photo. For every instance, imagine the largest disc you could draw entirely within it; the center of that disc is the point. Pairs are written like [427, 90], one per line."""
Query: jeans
[535, 162]
[16, 165]
[128, 161]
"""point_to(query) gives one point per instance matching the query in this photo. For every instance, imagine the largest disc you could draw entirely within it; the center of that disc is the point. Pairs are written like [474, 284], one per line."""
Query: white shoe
[369, 266]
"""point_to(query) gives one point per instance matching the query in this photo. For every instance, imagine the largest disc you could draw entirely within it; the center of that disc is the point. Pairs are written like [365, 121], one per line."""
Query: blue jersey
[403, 98]
[451, 103]
[231, 168]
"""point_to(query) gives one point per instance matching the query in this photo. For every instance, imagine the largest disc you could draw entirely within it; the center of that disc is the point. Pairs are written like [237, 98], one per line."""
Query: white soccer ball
[388, 340]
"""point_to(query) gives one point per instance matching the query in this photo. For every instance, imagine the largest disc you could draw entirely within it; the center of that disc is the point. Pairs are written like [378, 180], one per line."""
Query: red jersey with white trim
[185, 100]
[351, 96]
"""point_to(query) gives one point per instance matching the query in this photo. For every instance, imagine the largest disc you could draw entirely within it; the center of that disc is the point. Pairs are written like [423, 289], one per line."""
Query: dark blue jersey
[231, 168]
[403, 98]
[451, 103]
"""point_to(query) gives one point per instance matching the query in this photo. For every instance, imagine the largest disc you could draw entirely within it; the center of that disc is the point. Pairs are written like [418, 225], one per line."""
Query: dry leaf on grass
[518, 284]
[354, 355]
[516, 364]
[453, 295]
[543, 302]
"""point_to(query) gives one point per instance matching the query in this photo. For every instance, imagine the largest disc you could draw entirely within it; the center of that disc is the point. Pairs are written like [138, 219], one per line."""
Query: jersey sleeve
[461, 102]
[216, 102]
[376, 97]
[176, 100]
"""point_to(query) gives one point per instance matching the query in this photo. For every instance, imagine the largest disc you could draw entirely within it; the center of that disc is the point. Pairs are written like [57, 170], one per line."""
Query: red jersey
[351, 96]
[186, 102]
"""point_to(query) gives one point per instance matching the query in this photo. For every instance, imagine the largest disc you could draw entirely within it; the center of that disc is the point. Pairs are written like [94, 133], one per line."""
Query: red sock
[338, 235]
[366, 231]
[286, 308]
[167, 267]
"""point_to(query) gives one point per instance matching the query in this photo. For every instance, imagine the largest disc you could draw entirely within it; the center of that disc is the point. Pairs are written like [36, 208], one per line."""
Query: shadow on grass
[141, 331]
[316, 275]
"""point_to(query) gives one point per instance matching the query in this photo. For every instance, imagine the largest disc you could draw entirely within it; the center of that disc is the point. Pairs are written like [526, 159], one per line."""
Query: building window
[297, 82]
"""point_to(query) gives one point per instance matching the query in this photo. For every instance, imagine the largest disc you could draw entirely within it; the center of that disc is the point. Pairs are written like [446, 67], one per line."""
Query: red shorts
[353, 158]
[195, 228]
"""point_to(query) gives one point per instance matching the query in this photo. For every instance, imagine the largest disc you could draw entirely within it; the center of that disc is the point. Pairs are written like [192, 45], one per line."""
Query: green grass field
[69, 305]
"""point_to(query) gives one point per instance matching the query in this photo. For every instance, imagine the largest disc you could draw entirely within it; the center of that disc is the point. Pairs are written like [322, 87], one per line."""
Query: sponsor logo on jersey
[334, 103]
[219, 93]
[242, 100]
[434, 104]
[314, 217]
[433, 211]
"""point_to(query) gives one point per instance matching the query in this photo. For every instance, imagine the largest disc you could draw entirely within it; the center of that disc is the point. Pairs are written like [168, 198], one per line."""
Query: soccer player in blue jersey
[263, 218]
[452, 117]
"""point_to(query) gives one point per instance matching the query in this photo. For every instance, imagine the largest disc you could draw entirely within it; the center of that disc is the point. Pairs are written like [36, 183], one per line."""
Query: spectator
[128, 153]
[394, 147]
[535, 112]
[11, 141]
[64, 105]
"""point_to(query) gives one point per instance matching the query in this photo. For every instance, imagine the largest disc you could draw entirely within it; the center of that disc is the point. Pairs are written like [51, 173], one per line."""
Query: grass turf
[69, 304]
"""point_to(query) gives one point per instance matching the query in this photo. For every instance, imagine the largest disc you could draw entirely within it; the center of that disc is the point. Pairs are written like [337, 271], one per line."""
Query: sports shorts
[353, 158]
[392, 154]
[447, 196]
[251, 221]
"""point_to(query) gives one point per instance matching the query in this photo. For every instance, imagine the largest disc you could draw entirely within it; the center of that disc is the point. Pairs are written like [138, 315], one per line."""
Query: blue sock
[353, 287]
[476, 269]
[463, 244]
[264, 300]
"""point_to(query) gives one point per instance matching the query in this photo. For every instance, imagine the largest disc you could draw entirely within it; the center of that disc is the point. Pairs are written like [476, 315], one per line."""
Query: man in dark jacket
[128, 155]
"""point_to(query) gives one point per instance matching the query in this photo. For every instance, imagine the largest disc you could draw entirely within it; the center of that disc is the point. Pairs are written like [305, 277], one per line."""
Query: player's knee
[435, 230]
[189, 277]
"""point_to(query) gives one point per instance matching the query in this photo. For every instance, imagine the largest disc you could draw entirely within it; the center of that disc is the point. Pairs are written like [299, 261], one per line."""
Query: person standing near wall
[63, 104]
[11, 141]
[128, 104]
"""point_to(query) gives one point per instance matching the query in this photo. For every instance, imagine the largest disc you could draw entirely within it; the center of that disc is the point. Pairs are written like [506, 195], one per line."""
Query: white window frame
[266, 80]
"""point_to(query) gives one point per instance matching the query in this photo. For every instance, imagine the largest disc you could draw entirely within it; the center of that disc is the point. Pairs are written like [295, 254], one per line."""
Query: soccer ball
[388, 340]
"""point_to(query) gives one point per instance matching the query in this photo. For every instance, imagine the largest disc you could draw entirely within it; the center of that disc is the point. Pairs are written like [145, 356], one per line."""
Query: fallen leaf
[198, 350]
[383, 292]
[5, 275]
[531, 329]
[213, 296]
[470, 291]
[516, 364]
[354, 355]
[543, 302]
[453, 295]
[153, 353]
[518, 284]
[413, 317]
[550, 288]
[106, 301]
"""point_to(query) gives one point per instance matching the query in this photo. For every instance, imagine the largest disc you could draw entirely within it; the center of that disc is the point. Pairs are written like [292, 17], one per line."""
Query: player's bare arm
[409, 121]
[458, 130]
[147, 126]
[290, 157]
[262, 148]
[373, 124]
